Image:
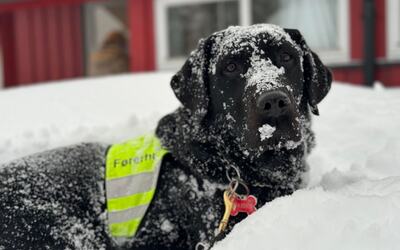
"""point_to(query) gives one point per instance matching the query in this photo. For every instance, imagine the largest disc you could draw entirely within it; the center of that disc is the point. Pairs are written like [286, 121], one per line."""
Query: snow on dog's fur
[224, 88]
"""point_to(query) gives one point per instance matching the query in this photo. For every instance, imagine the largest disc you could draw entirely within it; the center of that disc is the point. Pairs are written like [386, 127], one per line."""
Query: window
[189, 23]
[393, 29]
[318, 23]
[180, 24]
[323, 23]
[106, 22]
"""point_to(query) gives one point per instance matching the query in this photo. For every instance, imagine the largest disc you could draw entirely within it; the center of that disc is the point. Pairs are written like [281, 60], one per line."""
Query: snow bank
[353, 197]
[108, 109]
[363, 217]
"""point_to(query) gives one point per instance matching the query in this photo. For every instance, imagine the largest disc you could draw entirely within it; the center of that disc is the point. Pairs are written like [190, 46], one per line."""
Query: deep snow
[108, 109]
[353, 197]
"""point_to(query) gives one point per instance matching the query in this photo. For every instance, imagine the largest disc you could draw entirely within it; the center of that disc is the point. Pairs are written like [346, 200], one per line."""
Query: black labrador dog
[247, 94]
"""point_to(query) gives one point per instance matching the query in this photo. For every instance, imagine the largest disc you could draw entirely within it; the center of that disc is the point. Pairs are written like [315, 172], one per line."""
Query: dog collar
[132, 170]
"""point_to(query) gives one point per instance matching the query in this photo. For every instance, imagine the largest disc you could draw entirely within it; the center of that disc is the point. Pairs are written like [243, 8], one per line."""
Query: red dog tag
[246, 205]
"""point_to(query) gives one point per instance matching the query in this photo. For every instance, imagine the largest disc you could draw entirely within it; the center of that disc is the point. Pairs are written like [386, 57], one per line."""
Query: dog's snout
[273, 104]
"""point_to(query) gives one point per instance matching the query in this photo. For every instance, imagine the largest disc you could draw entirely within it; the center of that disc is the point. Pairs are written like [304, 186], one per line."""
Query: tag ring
[235, 183]
[236, 171]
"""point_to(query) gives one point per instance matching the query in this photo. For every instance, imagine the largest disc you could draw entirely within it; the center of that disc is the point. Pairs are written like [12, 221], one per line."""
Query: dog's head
[257, 82]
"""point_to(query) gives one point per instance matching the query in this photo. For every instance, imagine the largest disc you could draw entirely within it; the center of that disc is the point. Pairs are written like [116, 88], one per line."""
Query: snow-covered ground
[353, 197]
[108, 109]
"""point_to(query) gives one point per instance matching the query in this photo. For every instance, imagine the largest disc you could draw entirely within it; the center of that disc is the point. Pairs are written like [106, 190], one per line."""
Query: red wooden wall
[42, 40]
[7, 43]
[385, 73]
[142, 46]
[47, 44]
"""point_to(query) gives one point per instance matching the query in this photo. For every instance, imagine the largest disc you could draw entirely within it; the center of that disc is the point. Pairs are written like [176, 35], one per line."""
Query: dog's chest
[184, 210]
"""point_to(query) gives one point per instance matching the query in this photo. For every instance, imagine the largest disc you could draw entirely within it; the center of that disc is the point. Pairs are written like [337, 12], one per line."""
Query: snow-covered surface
[353, 197]
[108, 109]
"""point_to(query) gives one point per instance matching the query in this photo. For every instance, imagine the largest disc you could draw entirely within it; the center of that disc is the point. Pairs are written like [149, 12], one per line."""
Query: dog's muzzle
[273, 104]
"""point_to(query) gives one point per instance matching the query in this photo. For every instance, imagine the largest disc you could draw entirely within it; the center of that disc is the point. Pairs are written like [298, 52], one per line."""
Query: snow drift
[353, 197]
[108, 109]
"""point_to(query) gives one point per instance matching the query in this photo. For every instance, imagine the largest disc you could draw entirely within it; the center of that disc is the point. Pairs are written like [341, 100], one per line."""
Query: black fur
[55, 200]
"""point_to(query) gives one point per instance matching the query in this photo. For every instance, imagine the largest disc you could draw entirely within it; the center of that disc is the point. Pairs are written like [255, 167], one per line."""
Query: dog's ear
[190, 83]
[317, 77]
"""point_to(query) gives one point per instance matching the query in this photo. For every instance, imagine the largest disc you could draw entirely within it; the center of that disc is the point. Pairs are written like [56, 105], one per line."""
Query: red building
[44, 40]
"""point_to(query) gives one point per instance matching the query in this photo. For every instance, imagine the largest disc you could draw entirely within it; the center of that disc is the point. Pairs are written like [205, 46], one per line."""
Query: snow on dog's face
[256, 82]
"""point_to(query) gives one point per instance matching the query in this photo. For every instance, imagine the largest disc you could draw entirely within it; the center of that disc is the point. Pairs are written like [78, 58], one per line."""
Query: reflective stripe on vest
[132, 170]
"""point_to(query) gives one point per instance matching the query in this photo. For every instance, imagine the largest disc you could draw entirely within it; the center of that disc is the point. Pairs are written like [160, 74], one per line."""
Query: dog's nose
[273, 104]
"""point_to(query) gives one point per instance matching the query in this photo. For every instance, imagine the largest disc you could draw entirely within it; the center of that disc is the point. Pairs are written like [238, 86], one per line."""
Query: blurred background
[47, 40]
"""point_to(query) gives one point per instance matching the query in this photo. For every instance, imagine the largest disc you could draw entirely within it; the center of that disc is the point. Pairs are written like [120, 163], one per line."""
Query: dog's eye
[285, 57]
[231, 67]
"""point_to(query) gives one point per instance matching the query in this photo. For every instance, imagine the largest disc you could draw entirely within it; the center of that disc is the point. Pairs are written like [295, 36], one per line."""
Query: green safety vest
[132, 170]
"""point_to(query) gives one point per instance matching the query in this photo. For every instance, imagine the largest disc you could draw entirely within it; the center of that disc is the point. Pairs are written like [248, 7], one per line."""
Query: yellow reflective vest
[132, 170]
